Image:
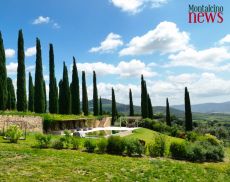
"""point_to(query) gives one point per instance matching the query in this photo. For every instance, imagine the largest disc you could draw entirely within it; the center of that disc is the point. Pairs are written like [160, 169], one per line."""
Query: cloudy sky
[122, 39]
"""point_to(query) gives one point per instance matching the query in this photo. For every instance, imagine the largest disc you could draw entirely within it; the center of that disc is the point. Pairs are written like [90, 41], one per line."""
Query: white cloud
[225, 40]
[165, 38]
[30, 51]
[135, 6]
[133, 68]
[41, 20]
[111, 42]
[9, 53]
[56, 25]
[12, 68]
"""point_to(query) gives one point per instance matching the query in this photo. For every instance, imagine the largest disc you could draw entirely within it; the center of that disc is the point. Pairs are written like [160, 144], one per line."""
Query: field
[23, 162]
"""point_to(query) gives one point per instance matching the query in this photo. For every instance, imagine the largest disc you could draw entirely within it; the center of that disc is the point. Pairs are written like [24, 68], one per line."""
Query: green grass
[23, 162]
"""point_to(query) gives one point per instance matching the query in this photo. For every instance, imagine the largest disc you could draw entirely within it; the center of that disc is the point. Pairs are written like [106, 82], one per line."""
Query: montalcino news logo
[205, 14]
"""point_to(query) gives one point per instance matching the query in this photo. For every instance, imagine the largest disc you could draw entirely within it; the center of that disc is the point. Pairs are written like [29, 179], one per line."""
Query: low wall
[28, 123]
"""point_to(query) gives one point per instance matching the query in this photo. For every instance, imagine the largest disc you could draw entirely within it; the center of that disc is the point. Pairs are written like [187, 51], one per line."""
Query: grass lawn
[22, 162]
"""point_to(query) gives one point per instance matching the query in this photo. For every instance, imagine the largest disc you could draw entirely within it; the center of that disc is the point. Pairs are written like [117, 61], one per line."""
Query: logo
[205, 14]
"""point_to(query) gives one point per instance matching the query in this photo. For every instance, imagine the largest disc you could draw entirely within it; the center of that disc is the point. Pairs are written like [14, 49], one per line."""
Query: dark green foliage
[114, 108]
[43, 141]
[95, 95]
[39, 97]
[64, 93]
[75, 143]
[11, 100]
[102, 145]
[116, 145]
[3, 76]
[31, 94]
[191, 136]
[53, 91]
[178, 150]
[144, 99]
[188, 112]
[59, 143]
[131, 110]
[168, 117]
[45, 100]
[90, 145]
[150, 108]
[100, 108]
[134, 147]
[158, 148]
[85, 106]
[21, 75]
[75, 92]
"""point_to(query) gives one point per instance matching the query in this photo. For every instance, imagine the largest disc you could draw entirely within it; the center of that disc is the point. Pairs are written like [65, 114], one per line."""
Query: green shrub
[158, 148]
[178, 150]
[115, 145]
[58, 144]
[89, 145]
[215, 153]
[67, 138]
[191, 136]
[195, 152]
[212, 139]
[13, 133]
[102, 145]
[133, 146]
[43, 141]
[75, 143]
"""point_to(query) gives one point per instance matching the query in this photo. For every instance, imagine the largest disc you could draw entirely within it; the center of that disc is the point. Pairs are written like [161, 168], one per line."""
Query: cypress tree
[60, 100]
[39, 97]
[3, 76]
[95, 95]
[150, 108]
[100, 110]
[11, 101]
[64, 92]
[21, 75]
[114, 108]
[188, 112]
[168, 118]
[45, 100]
[131, 110]
[75, 92]
[144, 98]
[53, 92]
[84, 95]
[31, 94]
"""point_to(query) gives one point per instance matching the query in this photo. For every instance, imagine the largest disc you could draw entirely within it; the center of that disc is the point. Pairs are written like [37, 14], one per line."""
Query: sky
[122, 39]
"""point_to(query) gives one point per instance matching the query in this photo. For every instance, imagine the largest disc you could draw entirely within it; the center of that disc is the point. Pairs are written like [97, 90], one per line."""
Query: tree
[11, 101]
[53, 92]
[75, 92]
[100, 110]
[39, 97]
[168, 117]
[144, 99]
[95, 95]
[45, 100]
[131, 110]
[114, 107]
[3, 76]
[21, 75]
[188, 112]
[64, 96]
[31, 94]
[150, 107]
[84, 96]
[60, 99]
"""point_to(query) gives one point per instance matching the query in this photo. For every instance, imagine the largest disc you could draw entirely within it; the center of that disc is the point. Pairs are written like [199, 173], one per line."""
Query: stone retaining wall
[28, 123]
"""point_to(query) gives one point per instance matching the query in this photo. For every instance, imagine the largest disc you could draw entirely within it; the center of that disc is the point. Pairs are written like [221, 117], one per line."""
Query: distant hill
[208, 107]
[123, 108]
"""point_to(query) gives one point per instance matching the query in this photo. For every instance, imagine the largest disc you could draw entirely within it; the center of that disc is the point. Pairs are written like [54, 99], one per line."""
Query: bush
[102, 145]
[211, 139]
[158, 148]
[133, 146]
[215, 153]
[75, 143]
[115, 145]
[195, 152]
[89, 145]
[178, 150]
[13, 133]
[191, 136]
[43, 140]
[58, 144]
[66, 139]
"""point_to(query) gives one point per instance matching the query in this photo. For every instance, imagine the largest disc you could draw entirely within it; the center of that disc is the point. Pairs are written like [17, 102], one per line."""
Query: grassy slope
[21, 161]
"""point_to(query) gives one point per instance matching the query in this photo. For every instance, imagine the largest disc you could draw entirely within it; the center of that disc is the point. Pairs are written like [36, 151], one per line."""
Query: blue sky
[122, 39]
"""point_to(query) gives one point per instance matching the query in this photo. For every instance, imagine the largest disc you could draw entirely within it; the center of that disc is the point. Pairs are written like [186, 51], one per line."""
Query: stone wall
[28, 123]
